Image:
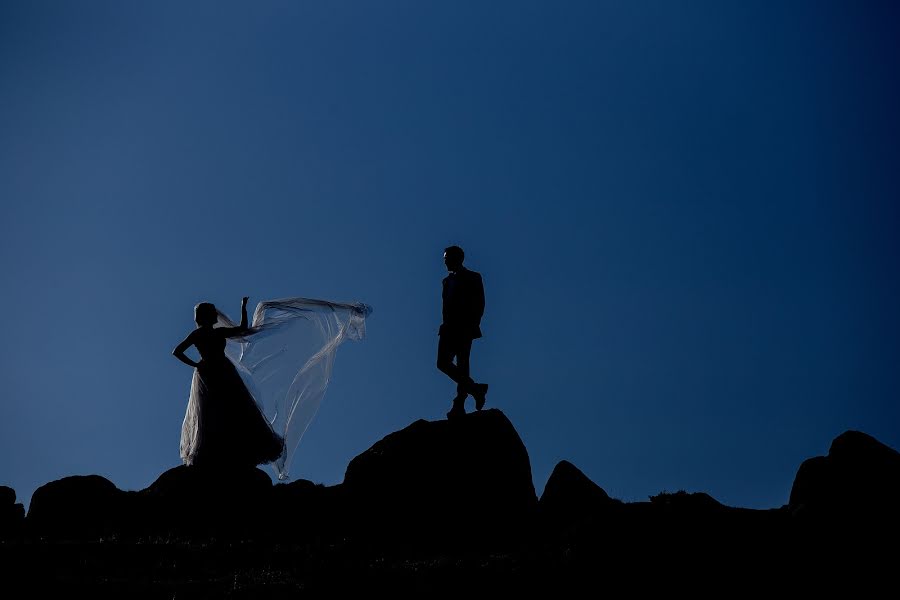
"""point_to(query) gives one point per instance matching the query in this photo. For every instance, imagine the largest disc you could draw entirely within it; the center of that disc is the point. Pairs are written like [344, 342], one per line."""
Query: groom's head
[453, 257]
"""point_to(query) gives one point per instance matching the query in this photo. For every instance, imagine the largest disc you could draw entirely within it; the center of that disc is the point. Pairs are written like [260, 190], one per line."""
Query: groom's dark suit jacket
[463, 296]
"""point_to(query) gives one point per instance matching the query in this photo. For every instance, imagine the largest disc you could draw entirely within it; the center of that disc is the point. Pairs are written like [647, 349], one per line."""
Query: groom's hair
[455, 253]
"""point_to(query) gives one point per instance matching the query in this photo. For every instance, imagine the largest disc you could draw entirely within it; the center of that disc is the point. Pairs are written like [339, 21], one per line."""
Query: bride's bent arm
[178, 352]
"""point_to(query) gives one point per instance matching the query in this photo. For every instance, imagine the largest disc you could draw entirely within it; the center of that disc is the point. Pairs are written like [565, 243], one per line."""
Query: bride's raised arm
[240, 329]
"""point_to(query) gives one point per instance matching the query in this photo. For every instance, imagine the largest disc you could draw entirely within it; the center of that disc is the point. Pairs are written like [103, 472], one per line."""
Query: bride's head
[205, 314]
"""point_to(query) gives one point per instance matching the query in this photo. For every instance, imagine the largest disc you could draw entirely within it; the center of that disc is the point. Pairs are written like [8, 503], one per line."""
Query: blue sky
[685, 214]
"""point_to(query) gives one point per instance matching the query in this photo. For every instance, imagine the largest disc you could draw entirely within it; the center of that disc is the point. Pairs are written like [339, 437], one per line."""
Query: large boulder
[308, 511]
[859, 479]
[464, 476]
[570, 496]
[12, 515]
[77, 507]
[207, 502]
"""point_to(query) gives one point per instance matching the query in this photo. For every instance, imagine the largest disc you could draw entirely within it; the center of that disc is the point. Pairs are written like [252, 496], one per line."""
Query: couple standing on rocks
[224, 423]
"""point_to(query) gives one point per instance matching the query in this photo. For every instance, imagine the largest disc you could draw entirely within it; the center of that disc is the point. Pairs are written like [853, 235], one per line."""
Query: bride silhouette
[223, 425]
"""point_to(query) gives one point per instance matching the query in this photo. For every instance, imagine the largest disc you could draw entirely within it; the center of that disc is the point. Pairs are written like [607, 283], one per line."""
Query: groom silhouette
[463, 298]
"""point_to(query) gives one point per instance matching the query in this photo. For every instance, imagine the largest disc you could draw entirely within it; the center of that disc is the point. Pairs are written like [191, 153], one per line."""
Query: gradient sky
[686, 215]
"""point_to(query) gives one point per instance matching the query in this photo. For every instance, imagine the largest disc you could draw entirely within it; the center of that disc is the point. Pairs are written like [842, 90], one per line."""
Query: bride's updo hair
[205, 313]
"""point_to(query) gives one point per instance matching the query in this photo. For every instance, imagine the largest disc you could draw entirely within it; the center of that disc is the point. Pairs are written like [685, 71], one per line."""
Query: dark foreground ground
[234, 569]
[443, 508]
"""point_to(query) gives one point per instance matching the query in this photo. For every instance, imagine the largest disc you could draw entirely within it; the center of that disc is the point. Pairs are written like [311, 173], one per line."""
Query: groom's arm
[478, 303]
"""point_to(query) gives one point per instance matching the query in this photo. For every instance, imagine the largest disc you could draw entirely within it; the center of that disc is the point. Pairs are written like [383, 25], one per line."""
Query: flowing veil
[286, 359]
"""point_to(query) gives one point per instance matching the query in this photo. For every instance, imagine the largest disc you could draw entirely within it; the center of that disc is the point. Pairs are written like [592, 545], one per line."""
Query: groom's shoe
[479, 395]
[459, 407]
[456, 413]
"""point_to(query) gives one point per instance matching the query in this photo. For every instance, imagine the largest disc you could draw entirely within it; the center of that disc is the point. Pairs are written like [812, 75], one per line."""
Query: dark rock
[77, 507]
[812, 484]
[467, 476]
[437, 507]
[186, 483]
[196, 501]
[571, 496]
[687, 503]
[12, 515]
[309, 510]
[858, 479]
[7, 496]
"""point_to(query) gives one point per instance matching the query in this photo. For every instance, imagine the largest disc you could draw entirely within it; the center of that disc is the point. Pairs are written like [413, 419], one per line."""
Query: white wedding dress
[254, 396]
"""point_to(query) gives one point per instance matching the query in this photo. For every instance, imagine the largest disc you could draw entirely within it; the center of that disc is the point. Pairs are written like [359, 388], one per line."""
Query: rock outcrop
[465, 482]
[446, 507]
[469, 475]
[77, 507]
[569, 492]
[12, 514]
[858, 480]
